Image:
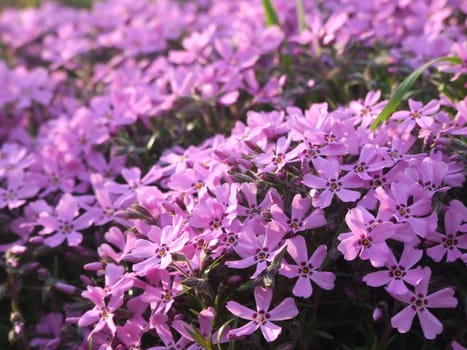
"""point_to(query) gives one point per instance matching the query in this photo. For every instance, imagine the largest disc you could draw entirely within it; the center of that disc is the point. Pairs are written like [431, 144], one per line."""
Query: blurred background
[26, 3]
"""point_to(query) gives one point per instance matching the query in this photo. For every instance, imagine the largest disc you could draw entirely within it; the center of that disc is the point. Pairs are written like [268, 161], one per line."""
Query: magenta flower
[17, 191]
[419, 115]
[419, 302]
[367, 238]
[368, 109]
[257, 251]
[190, 181]
[370, 160]
[262, 317]
[450, 243]
[125, 242]
[331, 184]
[277, 156]
[102, 314]
[205, 318]
[161, 289]
[398, 272]
[65, 224]
[306, 269]
[250, 208]
[299, 220]
[134, 183]
[49, 332]
[32, 86]
[157, 251]
[407, 203]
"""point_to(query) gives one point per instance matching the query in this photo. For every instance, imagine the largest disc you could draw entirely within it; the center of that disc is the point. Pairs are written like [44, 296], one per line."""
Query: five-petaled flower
[306, 269]
[262, 317]
[419, 302]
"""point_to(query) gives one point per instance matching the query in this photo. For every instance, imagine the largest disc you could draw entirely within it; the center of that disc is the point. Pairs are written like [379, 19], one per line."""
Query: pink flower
[206, 319]
[419, 302]
[299, 220]
[331, 184]
[257, 251]
[367, 110]
[456, 346]
[262, 317]
[452, 241]
[367, 238]
[277, 156]
[370, 160]
[398, 272]
[419, 115]
[407, 203]
[102, 314]
[306, 269]
[64, 224]
[17, 191]
[157, 251]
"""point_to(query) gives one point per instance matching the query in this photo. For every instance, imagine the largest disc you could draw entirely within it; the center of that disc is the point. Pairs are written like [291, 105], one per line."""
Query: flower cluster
[160, 159]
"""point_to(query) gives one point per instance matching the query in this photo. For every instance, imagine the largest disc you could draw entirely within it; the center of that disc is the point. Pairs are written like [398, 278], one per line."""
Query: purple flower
[49, 332]
[102, 313]
[158, 248]
[205, 318]
[306, 269]
[331, 183]
[398, 272]
[64, 224]
[419, 303]
[370, 160]
[407, 203]
[299, 220]
[259, 250]
[455, 238]
[262, 318]
[277, 156]
[419, 115]
[367, 238]
[368, 109]
[17, 191]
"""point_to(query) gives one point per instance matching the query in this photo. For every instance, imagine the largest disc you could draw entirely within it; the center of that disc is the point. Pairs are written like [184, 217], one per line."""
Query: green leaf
[301, 15]
[199, 339]
[212, 266]
[221, 331]
[270, 14]
[246, 286]
[404, 88]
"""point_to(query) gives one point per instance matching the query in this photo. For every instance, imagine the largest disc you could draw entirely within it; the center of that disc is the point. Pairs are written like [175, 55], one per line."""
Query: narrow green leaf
[270, 13]
[404, 88]
[246, 286]
[301, 15]
[199, 339]
[221, 331]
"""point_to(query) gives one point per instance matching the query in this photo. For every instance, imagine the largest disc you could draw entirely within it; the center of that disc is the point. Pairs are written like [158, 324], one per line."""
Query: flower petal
[263, 297]
[270, 331]
[403, 320]
[284, 311]
[239, 310]
[431, 326]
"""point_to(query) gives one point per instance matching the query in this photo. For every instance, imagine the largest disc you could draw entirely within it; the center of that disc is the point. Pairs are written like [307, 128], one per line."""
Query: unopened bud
[377, 313]
[65, 288]
[234, 279]
[94, 266]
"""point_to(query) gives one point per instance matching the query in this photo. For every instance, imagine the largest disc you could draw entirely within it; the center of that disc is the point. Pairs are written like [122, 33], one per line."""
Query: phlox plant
[170, 179]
